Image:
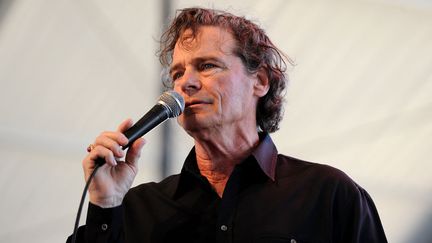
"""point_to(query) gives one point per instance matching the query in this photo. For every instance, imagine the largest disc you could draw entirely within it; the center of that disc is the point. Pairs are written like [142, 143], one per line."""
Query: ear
[261, 85]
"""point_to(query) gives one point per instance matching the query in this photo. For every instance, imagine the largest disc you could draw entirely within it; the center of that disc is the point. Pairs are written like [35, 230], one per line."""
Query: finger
[113, 142]
[98, 152]
[118, 137]
[126, 124]
[134, 152]
[103, 153]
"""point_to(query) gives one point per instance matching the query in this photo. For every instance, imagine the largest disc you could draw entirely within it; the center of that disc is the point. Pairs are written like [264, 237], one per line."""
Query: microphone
[170, 104]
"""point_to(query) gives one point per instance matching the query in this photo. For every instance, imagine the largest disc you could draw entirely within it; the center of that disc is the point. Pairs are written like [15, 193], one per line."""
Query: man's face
[218, 91]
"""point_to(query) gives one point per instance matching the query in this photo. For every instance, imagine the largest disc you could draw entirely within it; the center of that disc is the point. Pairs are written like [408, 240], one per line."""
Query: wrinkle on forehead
[189, 41]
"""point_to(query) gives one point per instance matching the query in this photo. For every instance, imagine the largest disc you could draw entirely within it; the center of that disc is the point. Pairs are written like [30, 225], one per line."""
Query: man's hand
[115, 177]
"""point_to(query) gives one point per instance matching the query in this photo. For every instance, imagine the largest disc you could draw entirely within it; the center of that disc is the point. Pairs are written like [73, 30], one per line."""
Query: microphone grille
[173, 101]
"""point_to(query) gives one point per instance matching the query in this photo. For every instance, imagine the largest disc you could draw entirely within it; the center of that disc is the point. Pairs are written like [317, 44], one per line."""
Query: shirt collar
[265, 155]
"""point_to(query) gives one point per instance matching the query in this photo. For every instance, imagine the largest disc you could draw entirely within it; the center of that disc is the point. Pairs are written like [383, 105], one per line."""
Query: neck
[219, 152]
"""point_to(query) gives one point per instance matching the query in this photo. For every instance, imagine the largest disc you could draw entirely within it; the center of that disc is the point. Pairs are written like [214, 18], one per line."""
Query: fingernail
[120, 152]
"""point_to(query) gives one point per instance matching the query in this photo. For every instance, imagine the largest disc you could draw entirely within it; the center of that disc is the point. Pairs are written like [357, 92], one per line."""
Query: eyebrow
[174, 68]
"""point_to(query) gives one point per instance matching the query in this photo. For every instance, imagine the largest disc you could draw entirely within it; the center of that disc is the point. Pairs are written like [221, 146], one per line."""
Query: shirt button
[224, 228]
[293, 241]
[104, 227]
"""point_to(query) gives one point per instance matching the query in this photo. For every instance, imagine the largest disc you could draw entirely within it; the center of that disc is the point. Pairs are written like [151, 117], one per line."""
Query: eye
[177, 75]
[206, 66]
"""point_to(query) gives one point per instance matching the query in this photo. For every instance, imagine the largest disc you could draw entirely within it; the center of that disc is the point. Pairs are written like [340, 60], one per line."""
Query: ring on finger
[90, 148]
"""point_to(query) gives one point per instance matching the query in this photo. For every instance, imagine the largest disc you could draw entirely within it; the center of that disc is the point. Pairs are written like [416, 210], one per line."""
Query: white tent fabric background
[359, 99]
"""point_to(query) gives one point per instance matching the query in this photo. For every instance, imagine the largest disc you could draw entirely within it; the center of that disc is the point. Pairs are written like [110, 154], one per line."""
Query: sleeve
[356, 217]
[103, 225]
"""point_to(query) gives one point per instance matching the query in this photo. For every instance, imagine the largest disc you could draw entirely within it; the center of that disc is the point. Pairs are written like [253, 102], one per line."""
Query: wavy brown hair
[254, 48]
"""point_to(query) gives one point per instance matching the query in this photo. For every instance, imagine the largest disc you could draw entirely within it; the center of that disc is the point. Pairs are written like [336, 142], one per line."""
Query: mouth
[194, 102]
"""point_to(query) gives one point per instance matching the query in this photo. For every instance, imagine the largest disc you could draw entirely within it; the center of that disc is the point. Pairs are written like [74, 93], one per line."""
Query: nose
[189, 83]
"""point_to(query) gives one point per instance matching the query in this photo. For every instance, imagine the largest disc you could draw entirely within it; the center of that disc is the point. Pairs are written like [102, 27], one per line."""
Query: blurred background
[359, 99]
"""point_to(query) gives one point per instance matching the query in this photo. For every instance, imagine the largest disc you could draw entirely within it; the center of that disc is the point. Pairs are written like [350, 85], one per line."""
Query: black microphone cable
[98, 164]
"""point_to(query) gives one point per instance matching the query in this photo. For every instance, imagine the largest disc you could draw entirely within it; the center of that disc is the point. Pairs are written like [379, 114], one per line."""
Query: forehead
[207, 39]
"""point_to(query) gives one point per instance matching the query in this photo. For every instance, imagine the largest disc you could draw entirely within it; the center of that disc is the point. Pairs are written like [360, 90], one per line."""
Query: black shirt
[268, 198]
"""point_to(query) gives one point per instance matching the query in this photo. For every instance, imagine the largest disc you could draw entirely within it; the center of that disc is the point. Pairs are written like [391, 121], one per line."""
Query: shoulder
[289, 166]
[320, 177]
[323, 181]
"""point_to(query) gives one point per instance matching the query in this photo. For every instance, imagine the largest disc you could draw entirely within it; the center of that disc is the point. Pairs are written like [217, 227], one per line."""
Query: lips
[194, 102]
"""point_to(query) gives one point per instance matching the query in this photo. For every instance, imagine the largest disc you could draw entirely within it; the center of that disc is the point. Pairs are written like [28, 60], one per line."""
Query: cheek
[232, 101]
[176, 88]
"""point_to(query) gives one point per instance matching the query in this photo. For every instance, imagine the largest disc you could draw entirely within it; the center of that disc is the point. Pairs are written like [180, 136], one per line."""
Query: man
[234, 186]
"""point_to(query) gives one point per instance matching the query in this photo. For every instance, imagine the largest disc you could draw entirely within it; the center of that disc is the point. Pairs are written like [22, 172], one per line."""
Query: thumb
[134, 152]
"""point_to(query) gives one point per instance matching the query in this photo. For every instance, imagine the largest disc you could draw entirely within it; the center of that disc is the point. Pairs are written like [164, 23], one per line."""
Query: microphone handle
[150, 120]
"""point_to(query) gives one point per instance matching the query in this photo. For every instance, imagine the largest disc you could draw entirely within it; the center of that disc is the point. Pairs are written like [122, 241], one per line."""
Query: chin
[193, 124]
